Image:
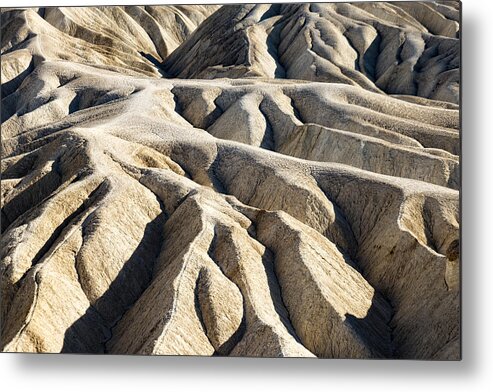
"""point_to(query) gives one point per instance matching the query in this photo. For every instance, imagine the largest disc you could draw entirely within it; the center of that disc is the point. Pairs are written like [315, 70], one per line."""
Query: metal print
[270, 180]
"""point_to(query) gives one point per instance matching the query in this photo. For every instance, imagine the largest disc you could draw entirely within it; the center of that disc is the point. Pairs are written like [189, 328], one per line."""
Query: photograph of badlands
[271, 180]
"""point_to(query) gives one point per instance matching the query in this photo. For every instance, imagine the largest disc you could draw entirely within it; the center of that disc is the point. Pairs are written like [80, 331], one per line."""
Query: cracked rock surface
[239, 180]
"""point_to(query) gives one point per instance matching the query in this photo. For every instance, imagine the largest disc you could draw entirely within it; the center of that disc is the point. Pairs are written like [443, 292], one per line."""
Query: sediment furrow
[176, 326]
[339, 327]
[349, 324]
[385, 235]
[268, 330]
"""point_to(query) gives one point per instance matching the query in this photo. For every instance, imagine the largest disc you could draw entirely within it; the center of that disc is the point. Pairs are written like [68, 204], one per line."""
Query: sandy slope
[248, 206]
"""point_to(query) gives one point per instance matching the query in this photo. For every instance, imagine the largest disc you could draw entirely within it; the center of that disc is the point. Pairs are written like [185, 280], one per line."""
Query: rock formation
[245, 180]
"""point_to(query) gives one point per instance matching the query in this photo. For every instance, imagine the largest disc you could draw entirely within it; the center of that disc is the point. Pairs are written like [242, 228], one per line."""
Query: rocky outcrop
[130, 40]
[252, 215]
[396, 48]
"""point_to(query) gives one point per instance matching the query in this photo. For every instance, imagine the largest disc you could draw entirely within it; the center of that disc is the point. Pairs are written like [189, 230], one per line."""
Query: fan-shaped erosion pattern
[244, 180]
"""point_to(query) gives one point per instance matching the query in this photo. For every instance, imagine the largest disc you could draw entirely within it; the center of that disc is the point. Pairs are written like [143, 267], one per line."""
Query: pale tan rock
[222, 314]
[335, 311]
[298, 197]
[399, 48]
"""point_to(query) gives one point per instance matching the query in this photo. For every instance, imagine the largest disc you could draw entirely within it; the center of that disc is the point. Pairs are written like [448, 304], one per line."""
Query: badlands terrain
[237, 180]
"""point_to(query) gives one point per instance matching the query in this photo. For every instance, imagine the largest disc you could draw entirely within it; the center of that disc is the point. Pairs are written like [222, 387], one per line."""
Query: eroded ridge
[408, 48]
[246, 215]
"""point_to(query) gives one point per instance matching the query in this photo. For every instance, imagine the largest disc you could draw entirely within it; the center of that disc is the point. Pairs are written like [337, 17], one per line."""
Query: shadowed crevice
[139, 266]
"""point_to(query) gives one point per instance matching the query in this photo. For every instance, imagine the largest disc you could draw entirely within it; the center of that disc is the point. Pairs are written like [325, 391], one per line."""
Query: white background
[473, 373]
